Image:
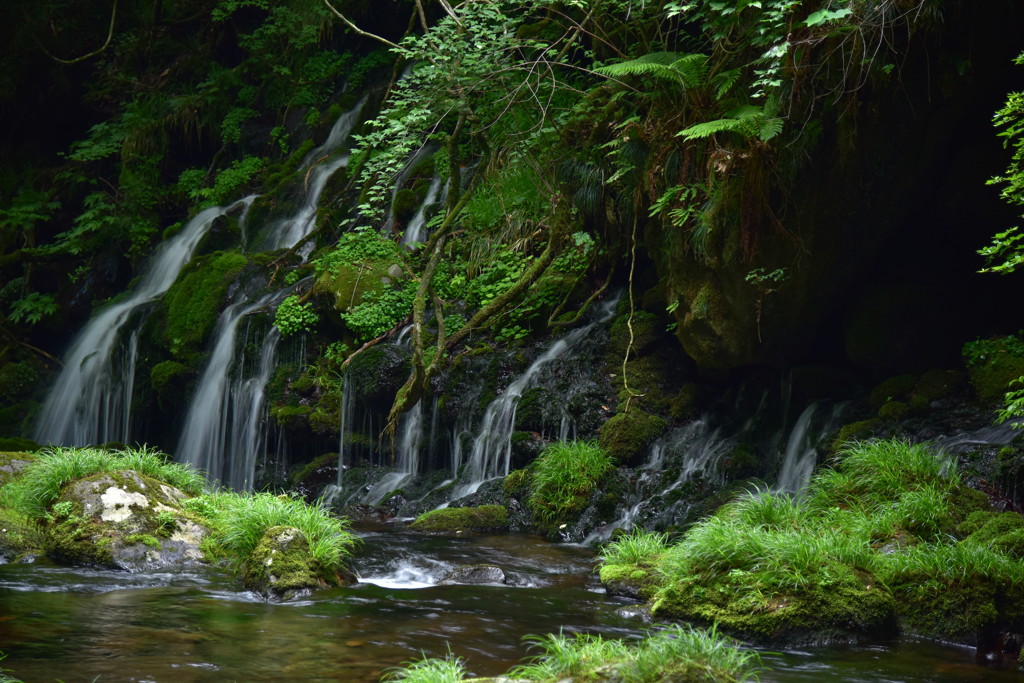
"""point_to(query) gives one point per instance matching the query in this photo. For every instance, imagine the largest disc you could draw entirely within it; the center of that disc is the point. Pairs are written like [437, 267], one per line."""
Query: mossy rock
[630, 580]
[122, 520]
[688, 402]
[281, 566]
[647, 330]
[170, 379]
[856, 431]
[196, 299]
[850, 606]
[894, 411]
[1000, 531]
[20, 537]
[992, 364]
[517, 483]
[12, 463]
[894, 388]
[405, 204]
[459, 520]
[964, 611]
[937, 384]
[291, 417]
[625, 435]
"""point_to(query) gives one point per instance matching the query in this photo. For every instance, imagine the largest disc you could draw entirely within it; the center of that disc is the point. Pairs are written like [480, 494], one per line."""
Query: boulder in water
[459, 520]
[281, 566]
[122, 520]
[475, 574]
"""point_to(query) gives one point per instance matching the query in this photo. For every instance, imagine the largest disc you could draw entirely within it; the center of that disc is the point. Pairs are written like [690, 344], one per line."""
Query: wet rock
[281, 566]
[123, 520]
[475, 574]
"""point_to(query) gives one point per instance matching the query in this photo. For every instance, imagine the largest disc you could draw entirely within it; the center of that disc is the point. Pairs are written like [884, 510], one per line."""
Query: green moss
[856, 431]
[631, 580]
[894, 411]
[847, 605]
[405, 204]
[320, 461]
[687, 402]
[992, 364]
[196, 299]
[936, 384]
[291, 417]
[281, 563]
[894, 388]
[457, 520]
[647, 329]
[625, 435]
[169, 379]
[19, 535]
[1001, 531]
[516, 483]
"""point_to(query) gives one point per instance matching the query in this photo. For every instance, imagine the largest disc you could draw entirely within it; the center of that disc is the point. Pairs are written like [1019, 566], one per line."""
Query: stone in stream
[122, 520]
[475, 574]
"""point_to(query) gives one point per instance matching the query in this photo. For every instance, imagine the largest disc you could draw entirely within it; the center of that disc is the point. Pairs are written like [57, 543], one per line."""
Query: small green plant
[449, 670]
[765, 279]
[293, 316]
[644, 548]
[563, 477]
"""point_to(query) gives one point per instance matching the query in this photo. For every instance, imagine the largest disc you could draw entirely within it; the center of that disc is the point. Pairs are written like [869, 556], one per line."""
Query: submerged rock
[476, 574]
[459, 520]
[123, 520]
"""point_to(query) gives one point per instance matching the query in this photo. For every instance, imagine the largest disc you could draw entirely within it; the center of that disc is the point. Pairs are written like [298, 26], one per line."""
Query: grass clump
[890, 535]
[240, 521]
[40, 483]
[678, 654]
[426, 670]
[562, 479]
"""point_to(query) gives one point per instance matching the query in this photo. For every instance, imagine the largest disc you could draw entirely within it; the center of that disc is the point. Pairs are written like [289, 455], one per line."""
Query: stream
[76, 624]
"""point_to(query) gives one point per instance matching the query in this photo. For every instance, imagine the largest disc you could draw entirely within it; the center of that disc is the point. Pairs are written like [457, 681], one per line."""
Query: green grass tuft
[239, 522]
[450, 670]
[563, 477]
[40, 484]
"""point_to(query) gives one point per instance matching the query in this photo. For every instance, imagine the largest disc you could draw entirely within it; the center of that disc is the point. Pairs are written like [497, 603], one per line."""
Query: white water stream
[91, 400]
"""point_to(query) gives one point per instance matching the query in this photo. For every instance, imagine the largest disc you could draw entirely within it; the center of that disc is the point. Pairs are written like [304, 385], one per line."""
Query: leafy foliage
[563, 477]
[294, 316]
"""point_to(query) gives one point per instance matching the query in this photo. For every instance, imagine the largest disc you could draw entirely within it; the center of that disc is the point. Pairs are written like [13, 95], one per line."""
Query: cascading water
[407, 458]
[222, 431]
[291, 231]
[414, 232]
[801, 454]
[492, 447]
[91, 399]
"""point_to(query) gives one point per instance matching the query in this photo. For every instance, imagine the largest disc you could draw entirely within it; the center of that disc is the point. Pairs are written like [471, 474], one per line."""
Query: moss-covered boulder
[281, 566]
[122, 520]
[625, 435]
[11, 463]
[993, 363]
[849, 606]
[460, 520]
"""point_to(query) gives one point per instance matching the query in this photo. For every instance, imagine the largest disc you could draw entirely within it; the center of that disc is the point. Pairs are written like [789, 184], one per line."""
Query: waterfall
[492, 447]
[415, 233]
[407, 457]
[91, 399]
[801, 454]
[290, 232]
[222, 431]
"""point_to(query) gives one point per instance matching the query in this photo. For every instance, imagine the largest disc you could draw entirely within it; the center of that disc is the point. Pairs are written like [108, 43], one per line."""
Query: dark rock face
[475, 574]
[123, 520]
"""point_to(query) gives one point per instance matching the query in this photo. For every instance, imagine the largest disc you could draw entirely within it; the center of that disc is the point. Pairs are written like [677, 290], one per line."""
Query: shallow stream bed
[78, 624]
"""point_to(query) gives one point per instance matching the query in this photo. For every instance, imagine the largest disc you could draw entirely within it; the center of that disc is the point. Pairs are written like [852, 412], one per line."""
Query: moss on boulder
[625, 435]
[459, 520]
[992, 364]
[281, 566]
[122, 520]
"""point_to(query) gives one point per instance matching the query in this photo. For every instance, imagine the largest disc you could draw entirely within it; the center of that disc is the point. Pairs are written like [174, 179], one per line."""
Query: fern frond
[687, 70]
[709, 128]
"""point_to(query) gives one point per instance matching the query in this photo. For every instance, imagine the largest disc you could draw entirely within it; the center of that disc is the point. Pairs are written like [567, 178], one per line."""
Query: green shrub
[293, 316]
[40, 484]
[563, 477]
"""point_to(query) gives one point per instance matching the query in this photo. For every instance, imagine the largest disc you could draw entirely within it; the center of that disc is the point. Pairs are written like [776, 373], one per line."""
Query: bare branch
[106, 43]
[356, 28]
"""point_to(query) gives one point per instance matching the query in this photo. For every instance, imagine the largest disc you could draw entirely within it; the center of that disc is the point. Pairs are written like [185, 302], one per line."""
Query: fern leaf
[709, 128]
[684, 70]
